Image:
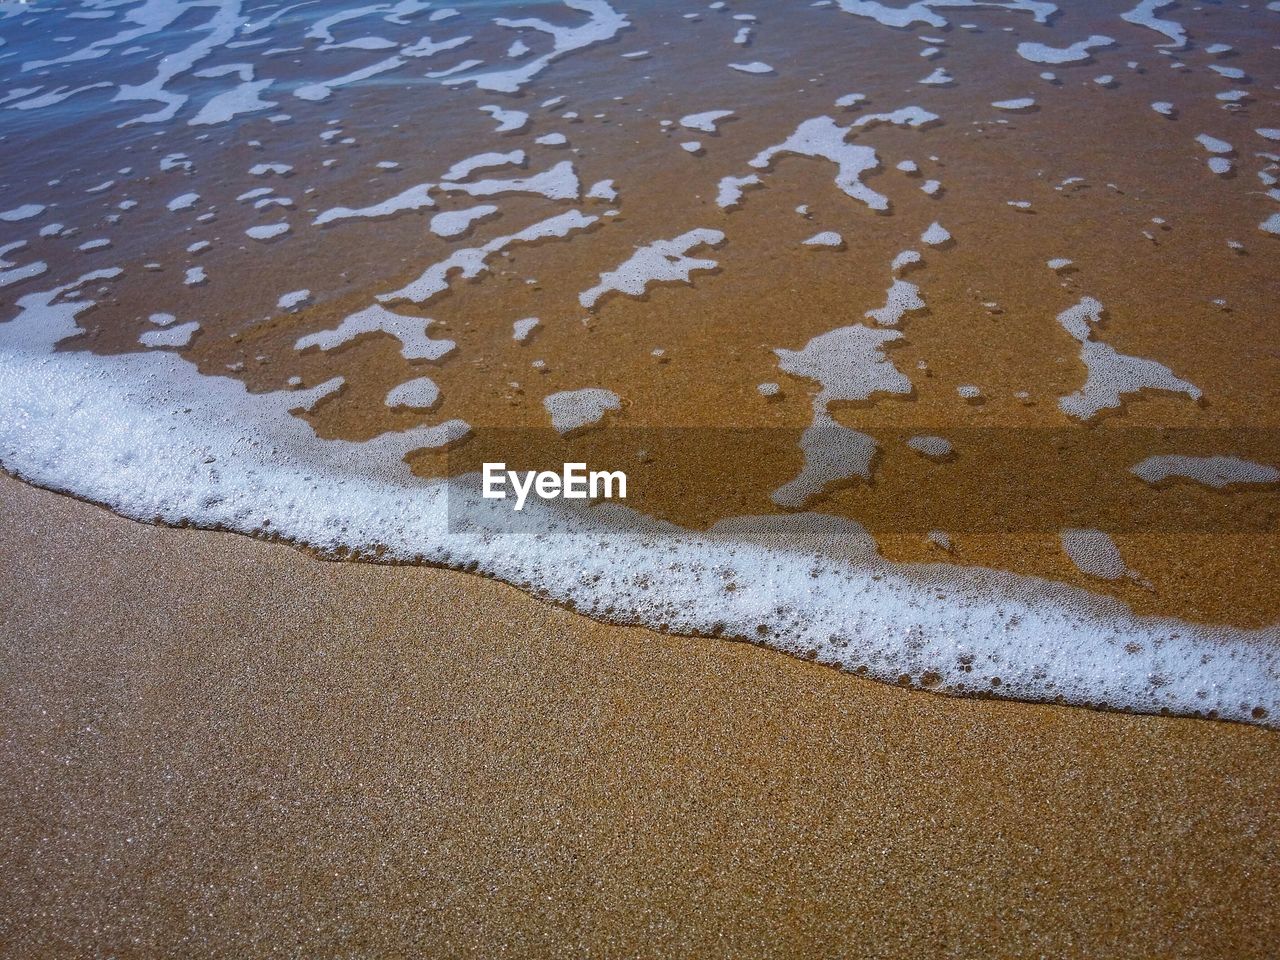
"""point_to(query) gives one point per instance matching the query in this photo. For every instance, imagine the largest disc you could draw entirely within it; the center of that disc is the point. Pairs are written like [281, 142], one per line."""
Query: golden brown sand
[211, 746]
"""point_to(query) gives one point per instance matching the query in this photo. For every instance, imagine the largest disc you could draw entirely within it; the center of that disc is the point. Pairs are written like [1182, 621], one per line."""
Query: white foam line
[471, 262]
[322, 91]
[150, 437]
[560, 182]
[481, 161]
[413, 198]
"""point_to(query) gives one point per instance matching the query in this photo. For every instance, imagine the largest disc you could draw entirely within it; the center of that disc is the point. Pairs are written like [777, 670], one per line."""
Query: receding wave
[302, 265]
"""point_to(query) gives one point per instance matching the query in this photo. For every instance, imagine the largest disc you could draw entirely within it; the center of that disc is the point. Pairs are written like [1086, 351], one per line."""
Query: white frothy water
[147, 435]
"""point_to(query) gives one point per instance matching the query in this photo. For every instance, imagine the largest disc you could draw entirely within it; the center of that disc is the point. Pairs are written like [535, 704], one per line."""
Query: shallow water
[187, 368]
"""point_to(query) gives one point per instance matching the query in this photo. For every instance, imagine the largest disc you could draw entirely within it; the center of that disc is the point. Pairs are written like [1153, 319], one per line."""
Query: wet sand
[211, 746]
[1009, 492]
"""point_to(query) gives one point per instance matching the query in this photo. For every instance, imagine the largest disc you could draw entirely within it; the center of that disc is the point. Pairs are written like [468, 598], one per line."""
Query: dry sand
[211, 746]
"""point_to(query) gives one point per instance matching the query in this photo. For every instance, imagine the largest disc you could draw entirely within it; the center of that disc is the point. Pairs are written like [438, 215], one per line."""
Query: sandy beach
[935, 342]
[212, 746]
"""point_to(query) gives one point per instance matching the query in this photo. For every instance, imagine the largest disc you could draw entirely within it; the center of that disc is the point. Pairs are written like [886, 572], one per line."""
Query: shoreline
[216, 745]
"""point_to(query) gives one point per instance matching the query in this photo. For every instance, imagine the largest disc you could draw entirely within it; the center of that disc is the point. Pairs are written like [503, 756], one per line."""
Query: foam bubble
[1077, 52]
[729, 191]
[268, 231]
[913, 116]
[413, 198]
[936, 235]
[1094, 553]
[24, 212]
[1111, 375]
[823, 137]
[522, 330]
[267, 169]
[602, 190]
[1213, 144]
[410, 331]
[229, 104]
[849, 363]
[662, 261]
[901, 298]
[1231, 73]
[316, 92]
[175, 335]
[1144, 15]
[754, 66]
[482, 161]
[453, 223]
[705, 121]
[18, 274]
[933, 447]
[293, 299]
[604, 23]
[560, 182]
[827, 238]
[964, 626]
[905, 259]
[1218, 472]
[940, 540]
[420, 393]
[833, 453]
[472, 262]
[509, 121]
[574, 410]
